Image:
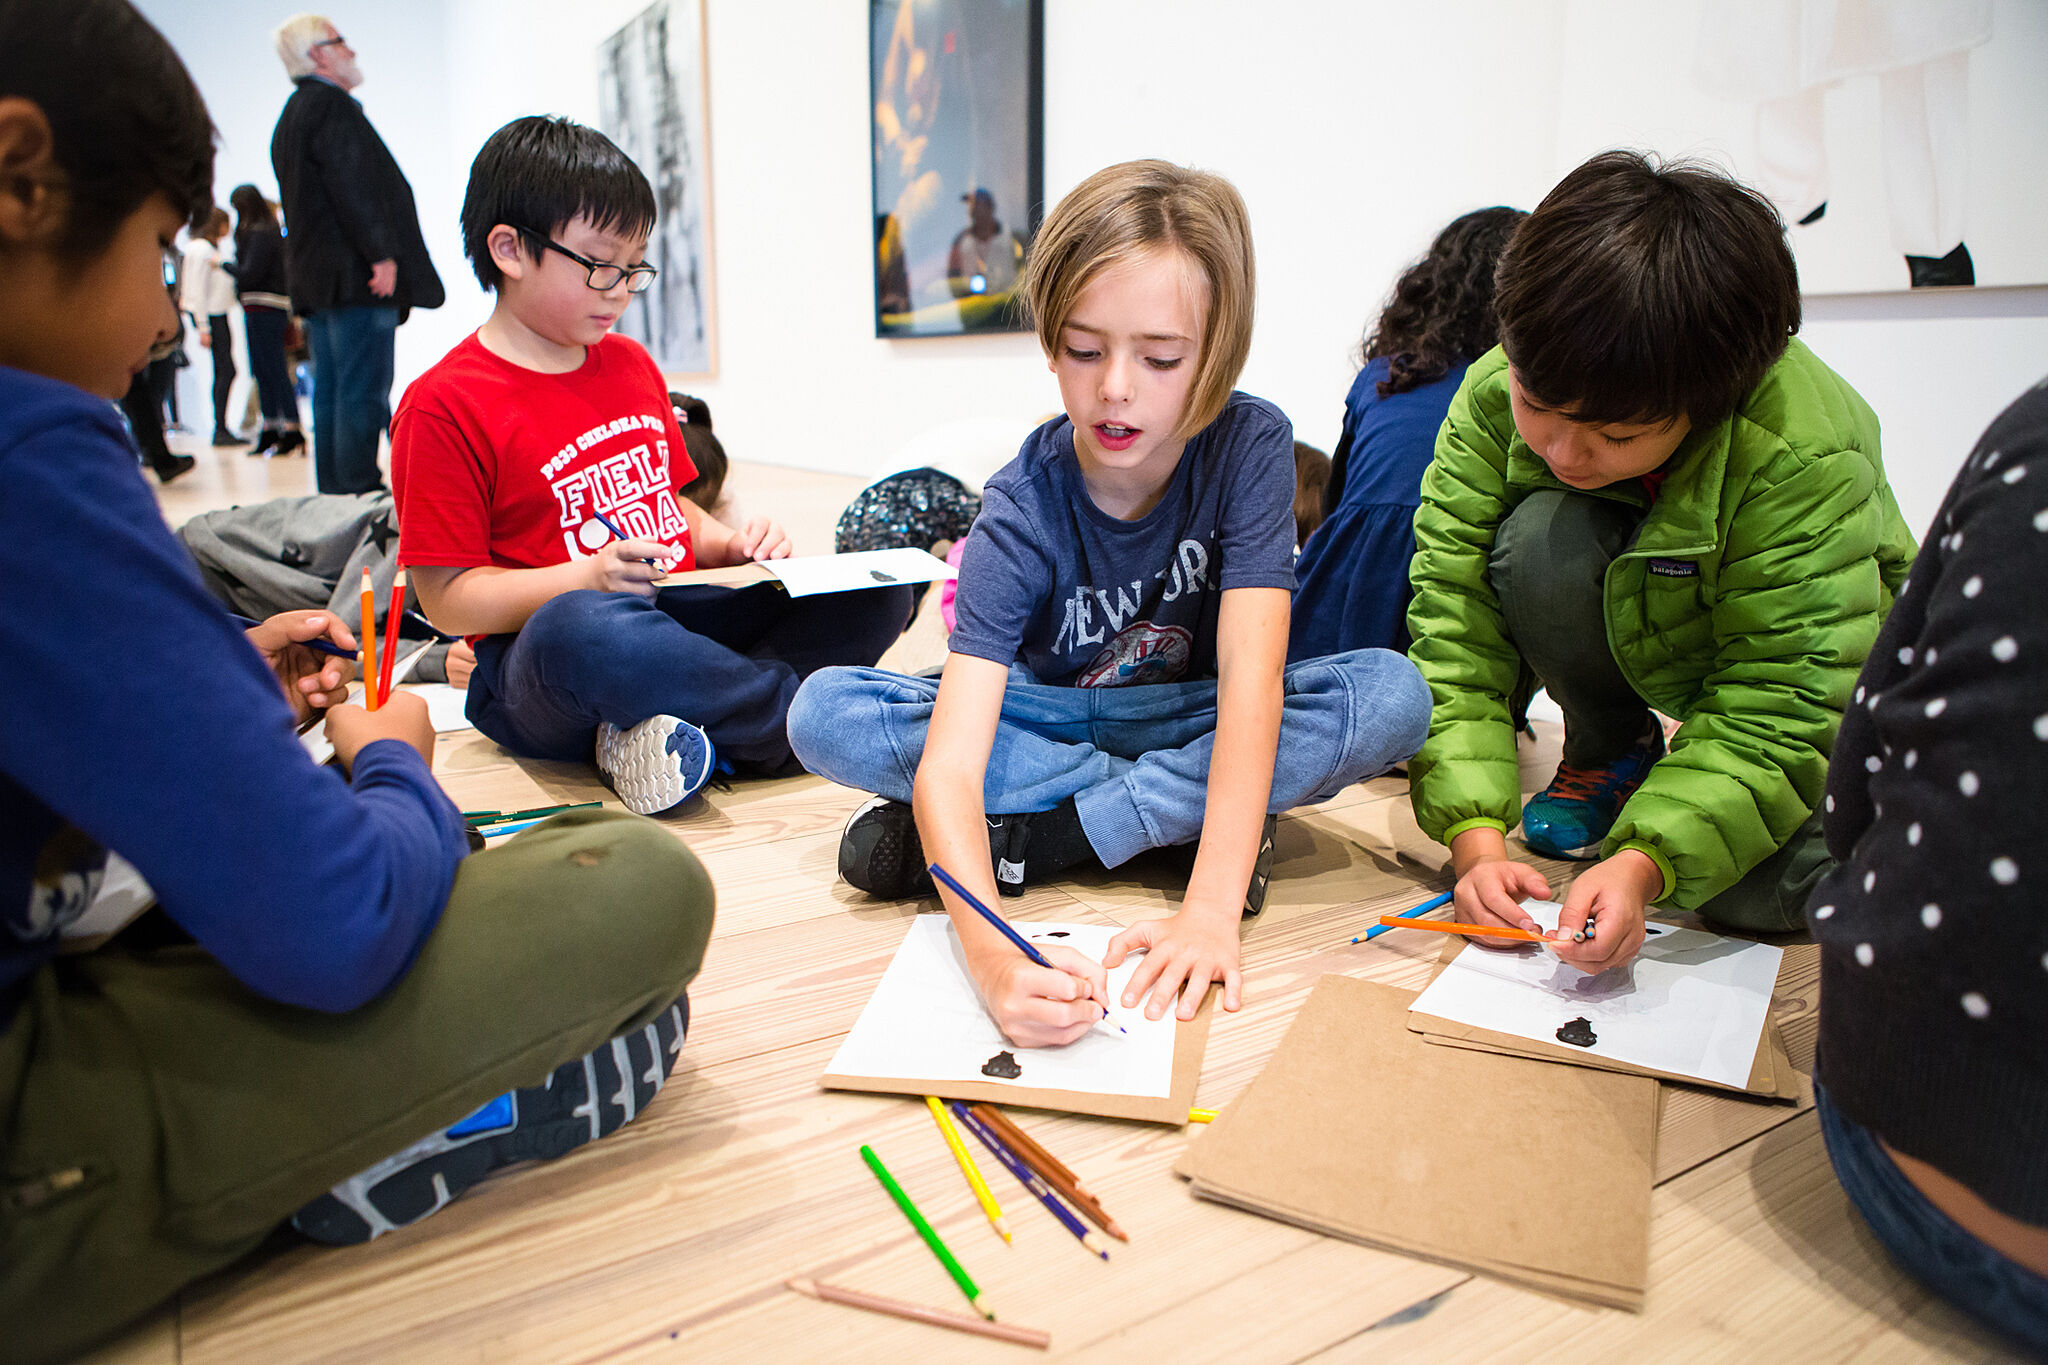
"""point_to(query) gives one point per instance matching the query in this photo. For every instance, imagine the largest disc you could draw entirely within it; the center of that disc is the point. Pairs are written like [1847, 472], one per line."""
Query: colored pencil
[1201, 1116]
[316, 645]
[496, 830]
[1054, 1170]
[924, 1230]
[492, 817]
[1002, 925]
[982, 1194]
[1432, 903]
[390, 658]
[1444, 926]
[1027, 1177]
[368, 636]
[896, 1308]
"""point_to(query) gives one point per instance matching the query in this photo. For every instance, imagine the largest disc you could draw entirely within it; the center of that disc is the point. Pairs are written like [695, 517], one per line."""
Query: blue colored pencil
[1029, 1178]
[1003, 927]
[1420, 910]
[609, 524]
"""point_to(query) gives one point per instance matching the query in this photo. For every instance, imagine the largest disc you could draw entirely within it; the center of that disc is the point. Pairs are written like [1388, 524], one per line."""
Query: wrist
[1476, 845]
[1644, 876]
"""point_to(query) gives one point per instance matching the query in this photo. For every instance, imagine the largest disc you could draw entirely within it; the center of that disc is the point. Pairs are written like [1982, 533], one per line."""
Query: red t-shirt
[493, 463]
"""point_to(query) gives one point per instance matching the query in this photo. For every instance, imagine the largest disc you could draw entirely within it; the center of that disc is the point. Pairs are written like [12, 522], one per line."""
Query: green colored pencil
[924, 1230]
[537, 813]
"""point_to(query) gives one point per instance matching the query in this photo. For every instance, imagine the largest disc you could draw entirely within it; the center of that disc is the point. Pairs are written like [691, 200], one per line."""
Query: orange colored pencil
[1444, 926]
[390, 657]
[369, 638]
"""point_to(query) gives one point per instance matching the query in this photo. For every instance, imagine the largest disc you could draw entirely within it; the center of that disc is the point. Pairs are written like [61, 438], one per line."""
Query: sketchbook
[806, 575]
[1692, 1006]
[925, 1031]
[1357, 1128]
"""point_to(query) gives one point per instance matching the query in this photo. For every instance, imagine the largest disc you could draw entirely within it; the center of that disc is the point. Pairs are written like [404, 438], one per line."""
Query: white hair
[295, 38]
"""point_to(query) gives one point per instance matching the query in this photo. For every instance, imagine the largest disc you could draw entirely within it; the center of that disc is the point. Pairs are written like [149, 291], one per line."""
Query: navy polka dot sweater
[1934, 924]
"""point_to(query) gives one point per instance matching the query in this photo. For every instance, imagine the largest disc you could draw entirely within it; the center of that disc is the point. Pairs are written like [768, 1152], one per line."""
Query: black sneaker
[579, 1101]
[1262, 870]
[880, 852]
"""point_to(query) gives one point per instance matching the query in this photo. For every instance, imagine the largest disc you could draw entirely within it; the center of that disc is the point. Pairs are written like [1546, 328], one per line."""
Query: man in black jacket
[354, 255]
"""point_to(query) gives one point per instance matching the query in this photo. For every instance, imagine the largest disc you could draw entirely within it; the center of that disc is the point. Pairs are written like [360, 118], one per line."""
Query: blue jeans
[1927, 1243]
[725, 659]
[352, 364]
[1135, 759]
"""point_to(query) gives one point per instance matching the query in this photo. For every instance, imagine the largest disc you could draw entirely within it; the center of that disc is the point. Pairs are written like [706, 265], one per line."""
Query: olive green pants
[1549, 569]
[159, 1120]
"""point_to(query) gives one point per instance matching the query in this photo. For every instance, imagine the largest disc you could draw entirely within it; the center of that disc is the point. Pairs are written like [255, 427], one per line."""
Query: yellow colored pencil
[967, 1168]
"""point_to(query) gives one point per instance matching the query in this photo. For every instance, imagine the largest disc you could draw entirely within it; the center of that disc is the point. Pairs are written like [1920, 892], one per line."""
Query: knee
[655, 900]
[575, 628]
[824, 720]
[1389, 705]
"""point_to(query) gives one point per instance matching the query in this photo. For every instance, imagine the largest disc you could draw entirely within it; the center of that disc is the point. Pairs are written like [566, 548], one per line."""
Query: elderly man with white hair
[355, 261]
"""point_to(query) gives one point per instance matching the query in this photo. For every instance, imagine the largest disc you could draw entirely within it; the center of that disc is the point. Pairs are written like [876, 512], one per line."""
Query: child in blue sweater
[323, 981]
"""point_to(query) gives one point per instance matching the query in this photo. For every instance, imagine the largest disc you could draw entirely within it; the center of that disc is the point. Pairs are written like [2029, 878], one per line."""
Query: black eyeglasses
[602, 278]
[336, 41]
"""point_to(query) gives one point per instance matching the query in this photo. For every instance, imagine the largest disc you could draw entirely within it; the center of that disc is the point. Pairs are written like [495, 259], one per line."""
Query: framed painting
[651, 102]
[958, 140]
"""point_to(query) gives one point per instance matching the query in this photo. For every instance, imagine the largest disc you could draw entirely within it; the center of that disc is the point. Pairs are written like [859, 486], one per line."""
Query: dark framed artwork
[958, 139]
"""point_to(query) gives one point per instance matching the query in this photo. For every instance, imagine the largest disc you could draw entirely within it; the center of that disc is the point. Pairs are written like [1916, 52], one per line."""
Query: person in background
[1932, 1071]
[206, 291]
[266, 312]
[355, 258]
[1438, 320]
[1311, 480]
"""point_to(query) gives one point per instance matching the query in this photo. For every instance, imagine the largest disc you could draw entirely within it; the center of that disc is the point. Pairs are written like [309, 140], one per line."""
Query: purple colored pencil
[1027, 1177]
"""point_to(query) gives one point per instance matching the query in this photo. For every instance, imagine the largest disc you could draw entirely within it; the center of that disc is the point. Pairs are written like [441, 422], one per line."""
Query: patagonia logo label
[1675, 568]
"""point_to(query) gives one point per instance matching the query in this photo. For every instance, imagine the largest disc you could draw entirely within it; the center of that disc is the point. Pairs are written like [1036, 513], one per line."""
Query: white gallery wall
[1354, 128]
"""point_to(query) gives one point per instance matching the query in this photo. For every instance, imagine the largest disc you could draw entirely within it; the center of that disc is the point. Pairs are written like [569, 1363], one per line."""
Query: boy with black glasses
[537, 469]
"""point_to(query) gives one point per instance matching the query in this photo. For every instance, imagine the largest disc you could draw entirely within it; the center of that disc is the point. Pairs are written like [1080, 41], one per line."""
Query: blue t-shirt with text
[1084, 599]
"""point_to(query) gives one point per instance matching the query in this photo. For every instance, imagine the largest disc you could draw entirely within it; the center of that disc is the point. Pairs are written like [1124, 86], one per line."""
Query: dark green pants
[1549, 569]
[158, 1120]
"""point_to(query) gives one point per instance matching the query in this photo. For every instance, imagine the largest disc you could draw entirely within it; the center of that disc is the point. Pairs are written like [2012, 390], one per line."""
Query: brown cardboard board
[1771, 1075]
[1361, 1129]
[1190, 1041]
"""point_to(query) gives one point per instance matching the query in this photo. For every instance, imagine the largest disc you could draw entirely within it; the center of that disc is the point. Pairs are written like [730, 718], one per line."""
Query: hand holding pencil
[1040, 995]
[311, 681]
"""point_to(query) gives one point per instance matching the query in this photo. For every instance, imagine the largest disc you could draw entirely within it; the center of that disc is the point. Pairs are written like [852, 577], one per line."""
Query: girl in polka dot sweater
[1933, 926]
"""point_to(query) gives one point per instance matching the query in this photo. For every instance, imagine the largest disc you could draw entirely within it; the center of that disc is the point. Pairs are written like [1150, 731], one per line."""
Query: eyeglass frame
[627, 273]
[336, 41]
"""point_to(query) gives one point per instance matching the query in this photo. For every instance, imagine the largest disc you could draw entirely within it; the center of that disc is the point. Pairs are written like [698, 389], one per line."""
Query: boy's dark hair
[126, 120]
[1440, 313]
[707, 452]
[1639, 291]
[538, 174]
[1311, 478]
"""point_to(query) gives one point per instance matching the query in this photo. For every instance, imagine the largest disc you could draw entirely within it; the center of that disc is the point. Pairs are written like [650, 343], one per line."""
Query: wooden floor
[671, 1239]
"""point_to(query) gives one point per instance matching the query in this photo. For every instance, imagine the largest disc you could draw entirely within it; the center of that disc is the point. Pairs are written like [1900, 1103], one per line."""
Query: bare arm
[1034, 1006]
[1199, 944]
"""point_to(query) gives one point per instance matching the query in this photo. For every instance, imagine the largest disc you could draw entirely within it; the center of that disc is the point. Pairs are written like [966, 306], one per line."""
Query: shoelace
[1582, 784]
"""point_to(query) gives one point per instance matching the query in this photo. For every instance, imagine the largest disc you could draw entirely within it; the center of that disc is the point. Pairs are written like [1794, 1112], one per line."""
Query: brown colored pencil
[1046, 1164]
[896, 1308]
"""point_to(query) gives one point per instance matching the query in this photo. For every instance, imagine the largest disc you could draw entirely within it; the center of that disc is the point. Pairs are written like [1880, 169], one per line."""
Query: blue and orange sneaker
[1570, 817]
[576, 1103]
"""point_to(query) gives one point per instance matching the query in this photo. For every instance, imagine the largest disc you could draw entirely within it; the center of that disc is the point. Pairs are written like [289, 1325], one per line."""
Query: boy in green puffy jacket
[1648, 496]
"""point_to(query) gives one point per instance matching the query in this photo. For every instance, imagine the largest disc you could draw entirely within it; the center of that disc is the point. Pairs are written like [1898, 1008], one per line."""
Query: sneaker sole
[578, 1102]
[642, 768]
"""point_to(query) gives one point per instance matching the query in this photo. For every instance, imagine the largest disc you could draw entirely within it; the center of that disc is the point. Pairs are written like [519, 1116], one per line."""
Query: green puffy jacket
[1800, 548]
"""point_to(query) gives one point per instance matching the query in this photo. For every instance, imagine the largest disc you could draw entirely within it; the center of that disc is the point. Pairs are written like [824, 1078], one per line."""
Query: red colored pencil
[390, 639]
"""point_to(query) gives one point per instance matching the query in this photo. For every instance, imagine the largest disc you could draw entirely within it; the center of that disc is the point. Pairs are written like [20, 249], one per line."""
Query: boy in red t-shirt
[517, 456]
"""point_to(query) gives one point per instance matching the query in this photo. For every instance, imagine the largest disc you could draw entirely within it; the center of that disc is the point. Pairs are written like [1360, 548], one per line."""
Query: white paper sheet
[1691, 1003]
[445, 705]
[926, 1022]
[808, 574]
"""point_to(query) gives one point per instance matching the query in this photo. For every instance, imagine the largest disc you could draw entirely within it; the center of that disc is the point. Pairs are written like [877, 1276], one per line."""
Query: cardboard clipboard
[805, 575]
[1771, 1076]
[1190, 1041]
[1357, 1128]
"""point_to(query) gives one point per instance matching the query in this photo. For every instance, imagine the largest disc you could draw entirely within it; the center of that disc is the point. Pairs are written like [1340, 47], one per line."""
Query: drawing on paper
[1003, 1066]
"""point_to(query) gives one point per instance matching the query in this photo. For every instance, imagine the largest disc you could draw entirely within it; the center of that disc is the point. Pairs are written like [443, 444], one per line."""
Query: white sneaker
[657, 765]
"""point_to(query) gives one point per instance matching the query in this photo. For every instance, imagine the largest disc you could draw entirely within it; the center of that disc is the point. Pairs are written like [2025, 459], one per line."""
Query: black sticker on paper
[1003, 1066]
[1579, 1033]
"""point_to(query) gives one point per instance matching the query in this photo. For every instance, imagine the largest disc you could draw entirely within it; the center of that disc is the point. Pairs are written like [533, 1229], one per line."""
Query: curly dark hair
[1440, 313]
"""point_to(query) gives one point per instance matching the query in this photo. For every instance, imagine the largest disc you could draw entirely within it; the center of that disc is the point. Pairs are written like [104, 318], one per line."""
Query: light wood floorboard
[670, 1239]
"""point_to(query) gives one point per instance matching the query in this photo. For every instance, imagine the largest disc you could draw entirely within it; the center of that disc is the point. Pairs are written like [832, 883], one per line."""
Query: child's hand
[1492, 892]
[312, 682]
[624, 566]
[461, 663]
[760, 538]
[404, 716]
[1613, 893]
[1183, 953]
[1038, 1006]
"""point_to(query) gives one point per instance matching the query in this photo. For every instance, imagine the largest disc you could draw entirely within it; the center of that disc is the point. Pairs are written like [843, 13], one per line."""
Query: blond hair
[1124, 212]
[295, 38]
